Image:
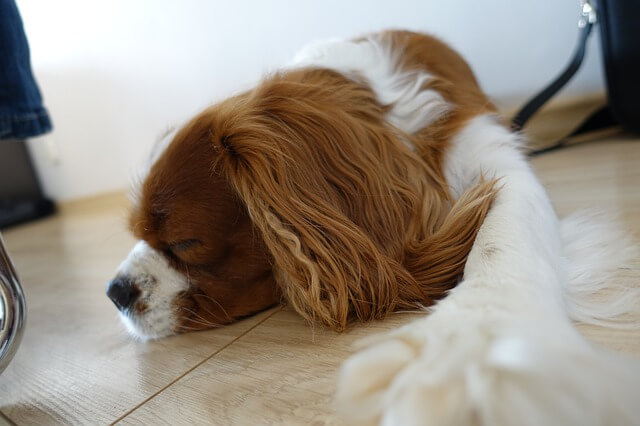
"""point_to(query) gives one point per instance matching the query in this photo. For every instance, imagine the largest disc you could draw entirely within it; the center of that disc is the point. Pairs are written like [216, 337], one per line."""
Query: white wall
[115, 74]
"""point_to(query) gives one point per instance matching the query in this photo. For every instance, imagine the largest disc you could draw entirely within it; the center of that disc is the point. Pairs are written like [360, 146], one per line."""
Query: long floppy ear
[332, 191]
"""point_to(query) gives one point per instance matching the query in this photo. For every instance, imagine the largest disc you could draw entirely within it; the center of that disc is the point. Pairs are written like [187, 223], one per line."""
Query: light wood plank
[281, 373]
[76, 364]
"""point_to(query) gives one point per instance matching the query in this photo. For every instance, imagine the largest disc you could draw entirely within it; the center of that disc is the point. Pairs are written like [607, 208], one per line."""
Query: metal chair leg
[12, 309]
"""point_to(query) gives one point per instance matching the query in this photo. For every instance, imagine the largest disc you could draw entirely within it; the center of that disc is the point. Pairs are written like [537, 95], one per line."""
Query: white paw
[485, 375]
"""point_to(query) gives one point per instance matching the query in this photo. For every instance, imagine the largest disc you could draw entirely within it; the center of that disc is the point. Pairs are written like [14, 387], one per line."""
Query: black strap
[598, 120]
[531, 107]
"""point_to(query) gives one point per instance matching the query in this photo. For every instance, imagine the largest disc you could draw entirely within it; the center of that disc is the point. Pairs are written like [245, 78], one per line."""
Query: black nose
[123, 292]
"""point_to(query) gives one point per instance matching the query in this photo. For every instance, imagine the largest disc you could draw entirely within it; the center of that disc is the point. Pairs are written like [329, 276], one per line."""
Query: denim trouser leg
[22, 114]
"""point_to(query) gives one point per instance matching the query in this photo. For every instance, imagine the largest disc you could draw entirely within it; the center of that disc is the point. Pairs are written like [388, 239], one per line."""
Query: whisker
[186, 328]
[206, 324]
[216, 302]
[202, 320]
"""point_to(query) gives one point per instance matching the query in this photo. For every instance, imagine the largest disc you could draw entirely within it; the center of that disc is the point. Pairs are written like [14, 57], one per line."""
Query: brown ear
[338, 198]
[329, 269]
[307, 174]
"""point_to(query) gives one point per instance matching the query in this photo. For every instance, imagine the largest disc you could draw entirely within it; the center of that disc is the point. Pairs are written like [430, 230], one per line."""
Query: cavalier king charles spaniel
[370, 176]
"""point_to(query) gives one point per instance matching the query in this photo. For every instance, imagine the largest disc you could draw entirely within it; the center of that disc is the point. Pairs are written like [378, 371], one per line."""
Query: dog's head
[200, 262]
[299, 189]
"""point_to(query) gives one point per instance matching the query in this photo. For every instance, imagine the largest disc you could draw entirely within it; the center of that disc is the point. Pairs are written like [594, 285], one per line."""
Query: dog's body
[358, 181]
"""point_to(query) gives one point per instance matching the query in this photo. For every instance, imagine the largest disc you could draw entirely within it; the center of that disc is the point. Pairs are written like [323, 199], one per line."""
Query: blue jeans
[22, 114]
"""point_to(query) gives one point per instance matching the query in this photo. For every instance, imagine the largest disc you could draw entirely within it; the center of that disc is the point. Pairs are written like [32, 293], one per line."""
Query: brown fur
[182, 200]
[300, 188]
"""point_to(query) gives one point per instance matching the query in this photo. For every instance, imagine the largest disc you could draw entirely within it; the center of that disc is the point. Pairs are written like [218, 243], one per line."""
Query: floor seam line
[235, 339]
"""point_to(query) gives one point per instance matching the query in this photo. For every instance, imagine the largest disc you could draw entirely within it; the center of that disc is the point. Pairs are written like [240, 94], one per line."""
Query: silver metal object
[589, 15]
[12, 309]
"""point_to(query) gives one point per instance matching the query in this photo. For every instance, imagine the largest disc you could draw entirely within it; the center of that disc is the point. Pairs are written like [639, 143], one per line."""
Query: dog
[323, 187]
[369, 176]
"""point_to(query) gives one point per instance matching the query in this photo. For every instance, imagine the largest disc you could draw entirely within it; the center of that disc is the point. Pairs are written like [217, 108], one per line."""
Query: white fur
[159, 284]
[500, 349]
[414, 105]
[602, 259]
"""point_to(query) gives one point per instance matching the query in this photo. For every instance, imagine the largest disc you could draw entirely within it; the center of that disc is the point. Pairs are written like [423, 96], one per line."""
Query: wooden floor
[76, 364]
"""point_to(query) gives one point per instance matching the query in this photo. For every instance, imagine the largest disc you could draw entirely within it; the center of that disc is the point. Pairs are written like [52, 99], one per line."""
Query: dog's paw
[487, 376]
[386, 382]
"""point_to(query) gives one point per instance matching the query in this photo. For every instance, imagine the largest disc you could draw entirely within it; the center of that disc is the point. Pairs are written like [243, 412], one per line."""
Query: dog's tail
[437, 262]
[603, 264]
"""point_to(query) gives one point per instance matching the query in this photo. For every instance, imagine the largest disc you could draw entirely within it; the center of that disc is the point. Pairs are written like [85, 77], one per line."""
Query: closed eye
[184, 245]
